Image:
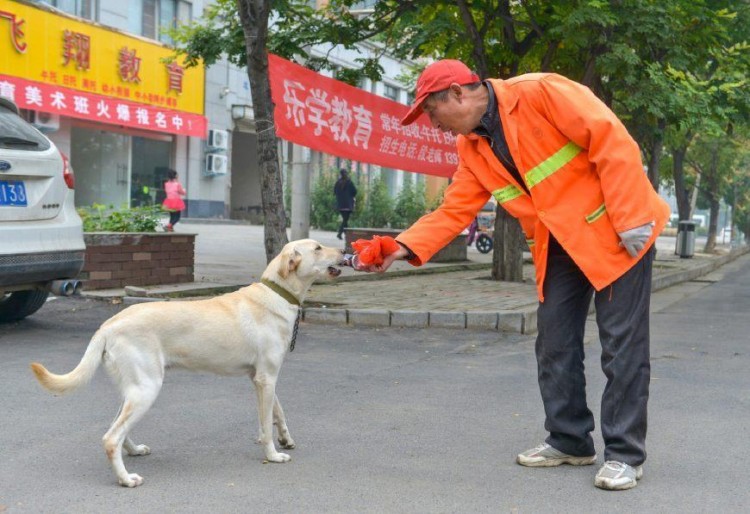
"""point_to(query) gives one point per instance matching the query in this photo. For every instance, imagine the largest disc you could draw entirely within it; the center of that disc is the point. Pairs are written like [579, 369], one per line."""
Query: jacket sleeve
[614, 154]
[463, 198]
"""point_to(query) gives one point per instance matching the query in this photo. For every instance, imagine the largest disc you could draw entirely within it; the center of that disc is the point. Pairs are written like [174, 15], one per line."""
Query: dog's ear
[289, 262]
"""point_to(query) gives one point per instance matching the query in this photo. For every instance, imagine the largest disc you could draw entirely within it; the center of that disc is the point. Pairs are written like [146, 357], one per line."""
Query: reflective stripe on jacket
[583, 171]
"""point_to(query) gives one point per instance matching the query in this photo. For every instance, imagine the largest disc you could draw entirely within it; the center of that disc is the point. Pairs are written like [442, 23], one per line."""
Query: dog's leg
[135, 450]
[138, 399]
[265, 386]
[129, 446]
[285, 438]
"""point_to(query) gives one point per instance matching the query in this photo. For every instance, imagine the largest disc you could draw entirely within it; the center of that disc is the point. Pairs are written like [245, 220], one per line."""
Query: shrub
[410, 205]
[378, 213]
[437, 200]
[100, 218]
[323, 213]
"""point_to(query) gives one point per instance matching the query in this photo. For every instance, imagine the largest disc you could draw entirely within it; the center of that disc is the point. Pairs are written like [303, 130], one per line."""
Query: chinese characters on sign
[16, 31]
[63, 65]
[333, 117]
[175, 72]
[76, 48]
[78, 104]
[129, 65]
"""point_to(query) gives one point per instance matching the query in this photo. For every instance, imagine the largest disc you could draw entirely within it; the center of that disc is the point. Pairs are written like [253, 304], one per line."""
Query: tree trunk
[680, 189]
[507, 255]
[713, 181]
[655, 156]
[254, 16]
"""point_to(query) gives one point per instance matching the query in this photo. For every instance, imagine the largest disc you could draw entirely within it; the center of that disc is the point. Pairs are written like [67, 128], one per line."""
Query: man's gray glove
[636, 238]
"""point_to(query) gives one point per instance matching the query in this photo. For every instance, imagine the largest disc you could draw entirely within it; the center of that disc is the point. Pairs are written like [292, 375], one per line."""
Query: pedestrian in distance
[346, 194]
[173, 203]
[560, 161]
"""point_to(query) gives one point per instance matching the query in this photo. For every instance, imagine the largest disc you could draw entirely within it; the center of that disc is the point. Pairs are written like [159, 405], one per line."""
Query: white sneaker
[616, 476]
[545, 455]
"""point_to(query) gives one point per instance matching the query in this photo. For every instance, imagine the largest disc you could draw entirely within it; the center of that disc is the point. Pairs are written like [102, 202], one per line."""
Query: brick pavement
[467, 299]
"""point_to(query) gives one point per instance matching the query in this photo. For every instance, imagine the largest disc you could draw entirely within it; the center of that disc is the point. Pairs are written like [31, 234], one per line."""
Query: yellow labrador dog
[245, 332]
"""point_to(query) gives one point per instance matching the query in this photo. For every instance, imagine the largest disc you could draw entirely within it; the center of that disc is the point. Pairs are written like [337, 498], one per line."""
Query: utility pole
[300, 169]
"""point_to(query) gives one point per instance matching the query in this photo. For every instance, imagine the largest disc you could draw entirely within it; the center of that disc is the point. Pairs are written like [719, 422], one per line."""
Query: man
[346, 194]
[560, 161]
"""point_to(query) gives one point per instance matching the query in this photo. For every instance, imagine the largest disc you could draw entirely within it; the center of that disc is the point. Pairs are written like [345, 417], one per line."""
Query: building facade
[109, 99]
[96, 76]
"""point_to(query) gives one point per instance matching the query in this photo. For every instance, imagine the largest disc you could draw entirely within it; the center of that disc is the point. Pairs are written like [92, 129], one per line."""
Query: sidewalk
[460, 295]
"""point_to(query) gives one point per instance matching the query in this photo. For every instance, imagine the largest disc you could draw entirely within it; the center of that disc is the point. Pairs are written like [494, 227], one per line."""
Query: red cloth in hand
[374, 251]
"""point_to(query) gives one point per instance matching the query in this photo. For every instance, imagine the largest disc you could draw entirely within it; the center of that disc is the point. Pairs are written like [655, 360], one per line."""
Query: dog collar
[286, 295]
[289, 297]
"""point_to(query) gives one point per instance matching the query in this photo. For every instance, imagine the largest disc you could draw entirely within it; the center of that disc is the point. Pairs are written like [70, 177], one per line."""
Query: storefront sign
[333, 117]
[54, 63]
[76, 104]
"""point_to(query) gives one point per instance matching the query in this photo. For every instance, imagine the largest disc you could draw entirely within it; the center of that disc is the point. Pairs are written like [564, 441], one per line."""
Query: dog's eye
[318, 248]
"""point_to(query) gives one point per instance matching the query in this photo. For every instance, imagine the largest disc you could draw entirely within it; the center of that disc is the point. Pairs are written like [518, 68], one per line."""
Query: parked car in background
[41, 235]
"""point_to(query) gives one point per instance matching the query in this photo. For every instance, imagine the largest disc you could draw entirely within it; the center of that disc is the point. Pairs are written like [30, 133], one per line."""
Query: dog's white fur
[245, 332]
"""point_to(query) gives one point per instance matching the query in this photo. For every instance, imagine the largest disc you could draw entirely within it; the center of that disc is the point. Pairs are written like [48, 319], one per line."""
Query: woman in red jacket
[555, 157]
[173, 203]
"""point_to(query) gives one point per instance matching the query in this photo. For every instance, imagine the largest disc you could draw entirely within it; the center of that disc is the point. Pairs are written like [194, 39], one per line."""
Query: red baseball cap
[437, 77]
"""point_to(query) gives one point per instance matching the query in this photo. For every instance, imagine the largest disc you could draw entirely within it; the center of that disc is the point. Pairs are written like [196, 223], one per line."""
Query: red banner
[88, 106]
[333, 117]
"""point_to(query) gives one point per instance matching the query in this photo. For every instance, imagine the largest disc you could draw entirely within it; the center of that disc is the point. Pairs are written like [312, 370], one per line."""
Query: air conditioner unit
[218, 139]
[216, 164]
[45, 121]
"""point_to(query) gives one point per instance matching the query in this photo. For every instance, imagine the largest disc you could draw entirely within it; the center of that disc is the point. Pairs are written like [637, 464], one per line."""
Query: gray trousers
[622, 315]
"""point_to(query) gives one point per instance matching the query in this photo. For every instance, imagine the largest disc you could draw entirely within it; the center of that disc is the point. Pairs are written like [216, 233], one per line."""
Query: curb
[668, 279]
[518, 321]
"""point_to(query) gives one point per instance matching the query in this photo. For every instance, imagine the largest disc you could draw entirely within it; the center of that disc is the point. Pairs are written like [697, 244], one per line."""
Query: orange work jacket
[582, 169]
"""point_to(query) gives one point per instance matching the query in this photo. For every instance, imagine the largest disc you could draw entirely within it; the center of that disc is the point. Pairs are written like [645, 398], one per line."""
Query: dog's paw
[140, 449]
[278, 458]
[287, 444]
[132, 480]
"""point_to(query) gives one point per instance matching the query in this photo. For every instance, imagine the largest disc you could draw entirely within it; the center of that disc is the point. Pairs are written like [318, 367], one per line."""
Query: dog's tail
[82, 373]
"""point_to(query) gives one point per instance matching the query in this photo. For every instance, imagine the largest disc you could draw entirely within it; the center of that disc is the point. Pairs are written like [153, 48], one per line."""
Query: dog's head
[303, 261]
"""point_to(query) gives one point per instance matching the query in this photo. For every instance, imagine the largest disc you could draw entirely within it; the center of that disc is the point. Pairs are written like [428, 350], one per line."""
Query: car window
[17, 134]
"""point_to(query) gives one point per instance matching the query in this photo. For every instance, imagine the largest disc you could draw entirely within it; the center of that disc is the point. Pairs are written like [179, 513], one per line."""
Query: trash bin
[685, 239]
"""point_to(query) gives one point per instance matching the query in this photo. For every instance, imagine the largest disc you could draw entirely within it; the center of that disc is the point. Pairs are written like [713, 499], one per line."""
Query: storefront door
[101, 161]
[150, 162]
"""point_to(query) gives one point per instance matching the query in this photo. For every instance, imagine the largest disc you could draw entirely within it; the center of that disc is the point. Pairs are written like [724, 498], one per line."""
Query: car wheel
[19, 304]
[484, 243]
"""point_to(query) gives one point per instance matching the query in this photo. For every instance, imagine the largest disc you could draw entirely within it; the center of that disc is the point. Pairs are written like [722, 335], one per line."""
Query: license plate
[13, 193]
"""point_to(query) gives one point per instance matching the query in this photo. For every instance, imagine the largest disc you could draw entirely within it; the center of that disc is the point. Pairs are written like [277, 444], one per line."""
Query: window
[82, 8]
[365, 4]
[390, 92]
[150, 18]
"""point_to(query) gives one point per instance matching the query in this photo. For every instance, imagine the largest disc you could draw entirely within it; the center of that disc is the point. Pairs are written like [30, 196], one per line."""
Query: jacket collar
[505, 100]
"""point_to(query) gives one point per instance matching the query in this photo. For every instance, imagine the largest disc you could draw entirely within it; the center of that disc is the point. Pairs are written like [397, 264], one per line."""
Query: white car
[41, 235]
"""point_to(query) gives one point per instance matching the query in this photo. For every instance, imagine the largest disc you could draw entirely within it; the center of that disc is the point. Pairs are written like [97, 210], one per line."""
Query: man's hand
[636, 238]
[387, 261]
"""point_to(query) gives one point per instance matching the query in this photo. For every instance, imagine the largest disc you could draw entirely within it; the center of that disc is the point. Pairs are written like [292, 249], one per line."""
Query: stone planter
[455, 251]
[115, 260]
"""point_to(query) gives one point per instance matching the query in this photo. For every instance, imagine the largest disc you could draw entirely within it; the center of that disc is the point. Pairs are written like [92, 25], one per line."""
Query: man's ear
[456, 90]
[289, 262]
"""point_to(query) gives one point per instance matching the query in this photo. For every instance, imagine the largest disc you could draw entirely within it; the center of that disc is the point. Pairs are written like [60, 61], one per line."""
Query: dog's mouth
[333, 271]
